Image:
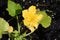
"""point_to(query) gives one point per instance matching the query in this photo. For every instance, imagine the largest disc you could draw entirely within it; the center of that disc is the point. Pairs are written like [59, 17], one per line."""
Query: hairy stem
[18, 24]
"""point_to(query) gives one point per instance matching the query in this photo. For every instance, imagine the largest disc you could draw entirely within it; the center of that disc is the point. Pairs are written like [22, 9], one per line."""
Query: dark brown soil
[51, 33]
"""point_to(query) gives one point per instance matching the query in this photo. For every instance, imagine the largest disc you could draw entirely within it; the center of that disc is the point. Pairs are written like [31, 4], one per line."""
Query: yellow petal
[25, 13]
[31, 28]
[26, 22]
[32, 9]
[35, 24]
[10, 29]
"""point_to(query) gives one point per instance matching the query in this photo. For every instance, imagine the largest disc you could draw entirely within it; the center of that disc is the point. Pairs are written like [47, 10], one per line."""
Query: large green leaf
[46, 20]
[0, 34]
[13, 7]
[3, 25]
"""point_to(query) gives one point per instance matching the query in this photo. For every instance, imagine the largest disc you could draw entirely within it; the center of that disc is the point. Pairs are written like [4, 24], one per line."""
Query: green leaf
[0, 34]
[22, 39]
[18, 9]
[18, 6]
[3, 25]
[18, 36]
[46, 20]
[13, 7]
[16, 33]
[5, 32]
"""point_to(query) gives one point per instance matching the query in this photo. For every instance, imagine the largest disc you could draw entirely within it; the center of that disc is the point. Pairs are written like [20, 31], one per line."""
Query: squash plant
[32, 18]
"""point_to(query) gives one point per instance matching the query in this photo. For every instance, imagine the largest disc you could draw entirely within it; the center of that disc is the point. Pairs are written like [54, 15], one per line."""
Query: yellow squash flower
[31, 19]
[10, 29]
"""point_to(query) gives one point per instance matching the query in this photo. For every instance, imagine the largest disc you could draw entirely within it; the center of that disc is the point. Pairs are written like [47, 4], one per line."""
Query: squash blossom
[31, 18]
[10, 29]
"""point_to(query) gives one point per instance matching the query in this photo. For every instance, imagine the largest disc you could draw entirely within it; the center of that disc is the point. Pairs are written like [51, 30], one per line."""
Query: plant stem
[26, 34]
[18, 24]
[9, 20]
[14, 38]
[9, 37]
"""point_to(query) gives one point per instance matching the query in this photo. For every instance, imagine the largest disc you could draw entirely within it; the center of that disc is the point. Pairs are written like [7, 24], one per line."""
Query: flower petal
[25, 13]
[35, 24]
[10, 29]
[31, 28]
[32, 9]
[26, 22]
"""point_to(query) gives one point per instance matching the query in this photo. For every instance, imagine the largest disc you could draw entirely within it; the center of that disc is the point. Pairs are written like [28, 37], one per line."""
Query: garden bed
[50, 33]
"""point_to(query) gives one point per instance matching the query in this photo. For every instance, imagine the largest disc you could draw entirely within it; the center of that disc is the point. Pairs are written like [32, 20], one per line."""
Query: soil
[51, 33]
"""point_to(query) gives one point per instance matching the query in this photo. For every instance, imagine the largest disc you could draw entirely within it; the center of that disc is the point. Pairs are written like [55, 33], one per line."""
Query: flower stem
[18, 24]
[9, 37]
[26, 34]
